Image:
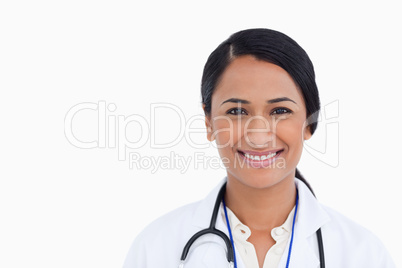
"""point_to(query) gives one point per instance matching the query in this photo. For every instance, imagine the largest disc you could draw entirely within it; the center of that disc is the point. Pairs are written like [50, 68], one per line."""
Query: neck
[261, 208]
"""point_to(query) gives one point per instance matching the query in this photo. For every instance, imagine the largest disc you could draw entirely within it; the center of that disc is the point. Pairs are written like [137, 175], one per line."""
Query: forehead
[258, 80]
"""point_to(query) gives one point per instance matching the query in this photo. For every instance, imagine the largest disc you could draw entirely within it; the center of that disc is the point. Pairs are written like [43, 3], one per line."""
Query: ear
[307, 133]
[208, 125]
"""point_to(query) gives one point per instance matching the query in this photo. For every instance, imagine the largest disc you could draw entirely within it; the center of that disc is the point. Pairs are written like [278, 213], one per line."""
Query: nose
[258, 132]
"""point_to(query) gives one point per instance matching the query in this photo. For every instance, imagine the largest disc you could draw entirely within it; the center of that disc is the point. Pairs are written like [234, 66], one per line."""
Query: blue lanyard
[230, 232]
[291, 238]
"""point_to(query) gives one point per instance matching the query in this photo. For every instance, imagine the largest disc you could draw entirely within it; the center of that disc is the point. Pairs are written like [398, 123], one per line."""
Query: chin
[259, 179]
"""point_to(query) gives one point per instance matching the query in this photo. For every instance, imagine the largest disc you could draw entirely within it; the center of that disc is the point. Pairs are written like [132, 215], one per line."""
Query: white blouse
[247, 251]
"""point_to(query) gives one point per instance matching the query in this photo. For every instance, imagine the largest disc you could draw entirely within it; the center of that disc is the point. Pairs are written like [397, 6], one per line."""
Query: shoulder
[346, 226]
[176, 217]
[348, 238]
[163, 235]
[168, 224]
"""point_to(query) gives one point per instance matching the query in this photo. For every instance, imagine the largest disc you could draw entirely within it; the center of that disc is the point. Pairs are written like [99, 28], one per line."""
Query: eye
[281, 110]
[236, 111]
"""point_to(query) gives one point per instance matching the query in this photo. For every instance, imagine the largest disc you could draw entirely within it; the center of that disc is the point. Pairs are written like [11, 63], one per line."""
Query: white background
[64, 206]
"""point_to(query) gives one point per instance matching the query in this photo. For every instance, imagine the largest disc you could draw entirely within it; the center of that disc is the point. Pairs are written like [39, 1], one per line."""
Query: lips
[260, 159]
[260, 153]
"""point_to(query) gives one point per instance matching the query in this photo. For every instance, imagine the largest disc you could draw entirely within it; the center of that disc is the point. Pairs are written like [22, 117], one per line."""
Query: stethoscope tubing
[230, 250]
[212, 230]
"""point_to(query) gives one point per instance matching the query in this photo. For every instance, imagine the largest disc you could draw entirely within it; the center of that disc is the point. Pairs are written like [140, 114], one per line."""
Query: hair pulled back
[271, 46]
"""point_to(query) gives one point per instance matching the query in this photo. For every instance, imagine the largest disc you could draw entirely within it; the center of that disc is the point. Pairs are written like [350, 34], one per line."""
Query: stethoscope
[230, 248]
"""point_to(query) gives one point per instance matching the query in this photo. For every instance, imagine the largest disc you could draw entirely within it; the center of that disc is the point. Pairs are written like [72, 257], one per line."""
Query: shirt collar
[243, 232]
[310, 215]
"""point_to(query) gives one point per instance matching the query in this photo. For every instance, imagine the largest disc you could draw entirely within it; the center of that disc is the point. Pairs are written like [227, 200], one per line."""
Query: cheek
[224, 132]
[290, 132]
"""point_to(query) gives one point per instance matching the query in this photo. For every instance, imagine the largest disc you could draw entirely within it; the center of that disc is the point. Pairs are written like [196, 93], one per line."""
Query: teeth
[256, 157]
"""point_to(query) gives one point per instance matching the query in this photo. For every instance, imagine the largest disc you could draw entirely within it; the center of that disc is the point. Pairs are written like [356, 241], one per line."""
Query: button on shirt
[247, 251]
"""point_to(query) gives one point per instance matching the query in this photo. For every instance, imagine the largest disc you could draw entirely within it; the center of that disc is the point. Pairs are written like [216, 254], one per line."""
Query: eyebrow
[236, 100]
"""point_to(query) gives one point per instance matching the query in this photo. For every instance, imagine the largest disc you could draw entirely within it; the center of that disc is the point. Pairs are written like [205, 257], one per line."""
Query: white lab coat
[346, 244]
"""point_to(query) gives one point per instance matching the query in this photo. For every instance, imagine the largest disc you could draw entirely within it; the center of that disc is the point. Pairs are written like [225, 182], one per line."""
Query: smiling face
[258, 122]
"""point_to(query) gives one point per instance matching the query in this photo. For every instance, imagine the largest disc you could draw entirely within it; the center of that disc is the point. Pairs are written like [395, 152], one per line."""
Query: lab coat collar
[202, 218]
[310, 217]
[203, 213]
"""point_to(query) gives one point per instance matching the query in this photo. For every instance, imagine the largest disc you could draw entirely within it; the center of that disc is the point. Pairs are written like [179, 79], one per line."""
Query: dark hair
[271, 46]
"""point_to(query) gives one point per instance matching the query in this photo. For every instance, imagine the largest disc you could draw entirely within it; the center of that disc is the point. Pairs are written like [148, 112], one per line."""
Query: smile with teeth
[248, 155]
[258, 158]
[261, 159]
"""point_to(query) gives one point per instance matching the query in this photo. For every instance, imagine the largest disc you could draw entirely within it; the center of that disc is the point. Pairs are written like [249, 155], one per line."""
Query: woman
[260, 102]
